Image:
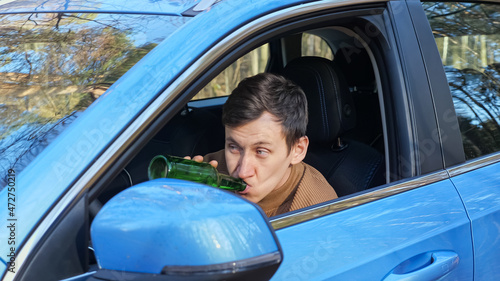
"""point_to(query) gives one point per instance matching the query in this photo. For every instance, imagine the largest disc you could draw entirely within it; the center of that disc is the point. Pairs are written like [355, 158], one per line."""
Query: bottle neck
[230, 183]
[158, 167]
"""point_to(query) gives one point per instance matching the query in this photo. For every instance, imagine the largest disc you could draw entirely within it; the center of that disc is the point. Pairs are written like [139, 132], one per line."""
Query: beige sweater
[305, 187]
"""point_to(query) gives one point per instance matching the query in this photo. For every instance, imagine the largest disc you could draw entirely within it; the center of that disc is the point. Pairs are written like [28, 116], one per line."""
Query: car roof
[169, 7]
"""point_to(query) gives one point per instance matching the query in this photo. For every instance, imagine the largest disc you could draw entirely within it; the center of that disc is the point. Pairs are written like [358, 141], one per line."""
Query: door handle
[427, 266]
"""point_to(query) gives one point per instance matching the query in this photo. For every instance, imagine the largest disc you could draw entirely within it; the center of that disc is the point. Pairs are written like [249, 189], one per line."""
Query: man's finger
[198, 158]
[214, 163]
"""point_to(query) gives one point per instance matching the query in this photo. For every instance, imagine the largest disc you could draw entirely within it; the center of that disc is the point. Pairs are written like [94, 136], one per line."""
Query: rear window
[248, 65]
[54, 65]
[313, 45]
[468, 39]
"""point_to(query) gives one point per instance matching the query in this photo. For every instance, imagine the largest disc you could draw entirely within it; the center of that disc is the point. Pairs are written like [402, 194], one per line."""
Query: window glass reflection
[313, 45]
[252, 63]
[54, 65]
[150, 6]
[468, 37]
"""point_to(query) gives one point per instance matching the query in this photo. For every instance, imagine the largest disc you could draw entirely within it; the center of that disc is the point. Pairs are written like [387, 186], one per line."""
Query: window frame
[323, 19]
[350, 201]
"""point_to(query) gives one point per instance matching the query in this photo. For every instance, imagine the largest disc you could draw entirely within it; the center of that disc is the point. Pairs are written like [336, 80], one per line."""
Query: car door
[421, 233]
[466, 35]
[414, 228]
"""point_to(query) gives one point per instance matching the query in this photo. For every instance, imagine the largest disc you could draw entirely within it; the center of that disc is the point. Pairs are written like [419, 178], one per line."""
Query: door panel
[480, 190]
[370, 240]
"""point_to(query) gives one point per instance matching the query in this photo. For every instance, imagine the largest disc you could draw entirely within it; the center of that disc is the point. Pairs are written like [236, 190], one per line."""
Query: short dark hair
[267, 92]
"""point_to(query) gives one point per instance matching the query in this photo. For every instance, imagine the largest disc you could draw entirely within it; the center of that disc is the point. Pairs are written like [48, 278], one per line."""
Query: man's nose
[246, 167]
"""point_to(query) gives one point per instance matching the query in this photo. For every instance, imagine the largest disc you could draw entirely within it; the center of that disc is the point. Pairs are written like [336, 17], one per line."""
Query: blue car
[404, 123]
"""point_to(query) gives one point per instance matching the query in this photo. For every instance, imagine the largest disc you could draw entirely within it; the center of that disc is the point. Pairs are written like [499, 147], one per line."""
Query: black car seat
[348, 165]
[358, 72]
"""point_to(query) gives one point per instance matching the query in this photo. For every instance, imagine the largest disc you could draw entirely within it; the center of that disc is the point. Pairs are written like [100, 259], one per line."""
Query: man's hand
[199, 158]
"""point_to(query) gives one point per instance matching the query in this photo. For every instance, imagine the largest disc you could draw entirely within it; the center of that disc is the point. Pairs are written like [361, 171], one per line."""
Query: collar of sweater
[281, 195]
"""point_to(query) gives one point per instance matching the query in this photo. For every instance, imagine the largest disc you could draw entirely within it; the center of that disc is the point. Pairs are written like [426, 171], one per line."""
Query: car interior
[345, 122]
[345, 125]
[348, 141]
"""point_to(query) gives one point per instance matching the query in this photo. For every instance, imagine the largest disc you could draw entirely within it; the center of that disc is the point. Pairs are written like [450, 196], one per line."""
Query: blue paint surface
[367, 241]
[178, 223]
[480, 190]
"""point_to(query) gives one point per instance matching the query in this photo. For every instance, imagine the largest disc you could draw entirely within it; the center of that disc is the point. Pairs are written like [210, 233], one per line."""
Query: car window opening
[197, 129]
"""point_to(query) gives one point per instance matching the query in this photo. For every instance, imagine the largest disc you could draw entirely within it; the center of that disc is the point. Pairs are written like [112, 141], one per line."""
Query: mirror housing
[169, 229]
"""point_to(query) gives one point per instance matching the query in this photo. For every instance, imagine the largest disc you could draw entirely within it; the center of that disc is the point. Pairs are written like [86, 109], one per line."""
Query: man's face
[257, 153]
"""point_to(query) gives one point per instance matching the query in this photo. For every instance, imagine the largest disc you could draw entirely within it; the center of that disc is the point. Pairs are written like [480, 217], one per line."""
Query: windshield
[54, 65]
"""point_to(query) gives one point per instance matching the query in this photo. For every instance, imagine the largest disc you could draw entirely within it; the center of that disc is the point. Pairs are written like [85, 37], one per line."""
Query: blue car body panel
[3, 265]
[480, 190]
[59, 165]
[361, 242]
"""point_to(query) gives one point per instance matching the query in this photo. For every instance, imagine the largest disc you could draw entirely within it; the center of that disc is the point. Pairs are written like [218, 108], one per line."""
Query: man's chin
[247, 194]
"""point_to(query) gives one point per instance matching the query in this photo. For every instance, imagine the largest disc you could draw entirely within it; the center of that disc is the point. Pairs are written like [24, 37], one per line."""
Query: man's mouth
[246, 190]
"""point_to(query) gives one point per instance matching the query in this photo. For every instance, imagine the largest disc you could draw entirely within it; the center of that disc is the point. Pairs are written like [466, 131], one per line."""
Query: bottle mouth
[158, 168]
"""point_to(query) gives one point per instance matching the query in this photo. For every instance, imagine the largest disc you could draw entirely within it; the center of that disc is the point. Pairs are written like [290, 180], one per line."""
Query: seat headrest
[331, 108]
[356, 67]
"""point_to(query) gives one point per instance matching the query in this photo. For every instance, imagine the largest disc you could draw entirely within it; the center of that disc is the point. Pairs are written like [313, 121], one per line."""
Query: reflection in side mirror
[169, 229]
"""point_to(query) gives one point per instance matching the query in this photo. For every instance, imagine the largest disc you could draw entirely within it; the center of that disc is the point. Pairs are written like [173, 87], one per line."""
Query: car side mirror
[169, 229]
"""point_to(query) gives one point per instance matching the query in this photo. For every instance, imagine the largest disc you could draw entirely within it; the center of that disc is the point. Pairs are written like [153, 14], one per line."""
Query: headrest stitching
[337, 96]
[322, 100]
[324, 111]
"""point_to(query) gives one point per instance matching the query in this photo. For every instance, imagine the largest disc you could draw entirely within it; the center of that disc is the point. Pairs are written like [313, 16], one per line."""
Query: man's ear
[299, 150]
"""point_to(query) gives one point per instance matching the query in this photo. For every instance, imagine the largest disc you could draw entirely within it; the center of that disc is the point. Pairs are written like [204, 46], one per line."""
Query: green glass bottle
[179, 168]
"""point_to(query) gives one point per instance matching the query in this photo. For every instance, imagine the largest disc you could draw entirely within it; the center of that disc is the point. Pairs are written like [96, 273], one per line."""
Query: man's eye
[262, 152]
[233, 148]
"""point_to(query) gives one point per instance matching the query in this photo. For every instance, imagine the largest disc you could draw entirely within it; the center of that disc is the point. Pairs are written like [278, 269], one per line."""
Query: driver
[265, 120]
